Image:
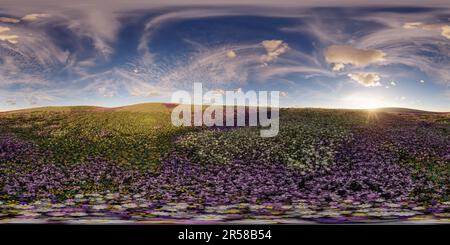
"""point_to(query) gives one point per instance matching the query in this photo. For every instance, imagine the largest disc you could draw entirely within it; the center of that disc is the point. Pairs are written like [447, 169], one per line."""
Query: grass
[310, 141]
[137, 135]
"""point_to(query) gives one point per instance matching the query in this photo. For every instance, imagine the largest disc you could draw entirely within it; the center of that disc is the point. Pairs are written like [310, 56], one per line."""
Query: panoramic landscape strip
[224, 113]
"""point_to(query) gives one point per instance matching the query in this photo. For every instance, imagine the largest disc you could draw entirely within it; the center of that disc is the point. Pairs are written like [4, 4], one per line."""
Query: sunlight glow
[364, 101]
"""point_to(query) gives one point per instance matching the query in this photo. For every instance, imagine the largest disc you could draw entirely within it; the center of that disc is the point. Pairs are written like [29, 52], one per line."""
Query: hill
[402, 110]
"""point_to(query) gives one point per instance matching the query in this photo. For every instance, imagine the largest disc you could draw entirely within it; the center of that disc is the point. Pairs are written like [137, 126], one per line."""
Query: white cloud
[9, 20]
[338, 67]
[393, 83]
[446, 31]
[341, 55]
[274, 48]
[231, 54]
[366, 79]
[412, 25]
[34, 17]
[5, 36]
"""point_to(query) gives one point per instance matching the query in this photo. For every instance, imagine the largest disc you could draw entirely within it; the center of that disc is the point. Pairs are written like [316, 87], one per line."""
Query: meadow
[129, 164]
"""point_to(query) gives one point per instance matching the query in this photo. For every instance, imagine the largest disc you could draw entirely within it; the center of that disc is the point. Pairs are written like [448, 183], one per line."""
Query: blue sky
[108, 53]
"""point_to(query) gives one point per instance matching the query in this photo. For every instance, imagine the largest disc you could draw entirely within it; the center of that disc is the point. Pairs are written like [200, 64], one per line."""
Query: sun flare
[364, 101]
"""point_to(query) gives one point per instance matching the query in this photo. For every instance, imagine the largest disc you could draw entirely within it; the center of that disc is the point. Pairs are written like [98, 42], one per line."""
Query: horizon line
[206, 104]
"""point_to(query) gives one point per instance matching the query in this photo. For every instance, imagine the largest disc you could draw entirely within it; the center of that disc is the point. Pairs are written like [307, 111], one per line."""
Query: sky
[333, 54]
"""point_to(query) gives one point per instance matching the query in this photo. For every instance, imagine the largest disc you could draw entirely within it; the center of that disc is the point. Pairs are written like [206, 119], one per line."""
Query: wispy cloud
[274, 48]
[441, 28]
[214, 67]
[99, 26]
[121, 82]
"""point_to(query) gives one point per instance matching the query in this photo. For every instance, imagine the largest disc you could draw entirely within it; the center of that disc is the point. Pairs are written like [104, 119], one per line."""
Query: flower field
[90, 165]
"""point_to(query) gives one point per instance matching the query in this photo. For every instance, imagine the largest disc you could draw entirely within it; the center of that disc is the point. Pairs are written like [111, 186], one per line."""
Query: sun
[364, 101]
[371, 103]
